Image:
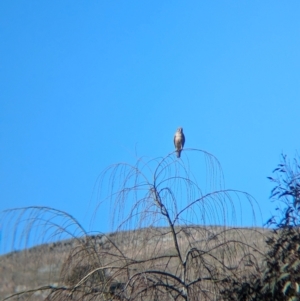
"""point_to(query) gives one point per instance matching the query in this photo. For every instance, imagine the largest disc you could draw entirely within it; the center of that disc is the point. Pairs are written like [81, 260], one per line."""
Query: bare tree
[175, 234]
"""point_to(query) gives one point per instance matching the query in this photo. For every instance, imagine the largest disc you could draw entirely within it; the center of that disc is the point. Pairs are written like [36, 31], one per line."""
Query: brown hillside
[65, 263]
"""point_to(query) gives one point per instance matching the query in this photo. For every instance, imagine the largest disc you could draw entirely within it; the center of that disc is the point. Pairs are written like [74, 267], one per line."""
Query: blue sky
[85, 84]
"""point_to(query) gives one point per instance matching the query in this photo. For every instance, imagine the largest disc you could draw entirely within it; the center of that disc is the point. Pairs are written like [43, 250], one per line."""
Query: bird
[179, 140]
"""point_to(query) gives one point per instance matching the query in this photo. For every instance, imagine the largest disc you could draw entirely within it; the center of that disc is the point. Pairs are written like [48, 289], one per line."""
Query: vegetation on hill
[165, 244]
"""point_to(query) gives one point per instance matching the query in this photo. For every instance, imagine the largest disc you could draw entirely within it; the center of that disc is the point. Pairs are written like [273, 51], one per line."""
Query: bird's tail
[178, 152]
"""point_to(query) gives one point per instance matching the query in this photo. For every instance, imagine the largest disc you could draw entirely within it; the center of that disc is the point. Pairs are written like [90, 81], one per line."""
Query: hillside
[64, 263]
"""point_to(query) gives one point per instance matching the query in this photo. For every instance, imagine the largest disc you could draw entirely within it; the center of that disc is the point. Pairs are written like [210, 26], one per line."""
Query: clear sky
[85, 84]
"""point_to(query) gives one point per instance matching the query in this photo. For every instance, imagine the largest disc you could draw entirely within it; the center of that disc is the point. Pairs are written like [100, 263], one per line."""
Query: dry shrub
[166, 244]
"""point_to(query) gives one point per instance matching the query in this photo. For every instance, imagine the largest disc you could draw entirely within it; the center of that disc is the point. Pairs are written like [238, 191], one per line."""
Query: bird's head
[180, 130]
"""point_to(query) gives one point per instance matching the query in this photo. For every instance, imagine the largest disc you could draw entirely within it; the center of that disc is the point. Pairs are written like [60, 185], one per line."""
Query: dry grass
[53, 264]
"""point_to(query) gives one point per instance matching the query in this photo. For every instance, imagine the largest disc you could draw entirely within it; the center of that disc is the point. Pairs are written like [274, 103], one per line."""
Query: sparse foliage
[279, 276]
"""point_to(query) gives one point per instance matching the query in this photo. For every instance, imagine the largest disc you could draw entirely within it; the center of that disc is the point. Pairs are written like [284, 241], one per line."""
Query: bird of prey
[179, 140]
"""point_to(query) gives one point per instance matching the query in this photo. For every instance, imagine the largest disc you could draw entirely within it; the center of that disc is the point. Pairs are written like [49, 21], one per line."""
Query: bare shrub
[166, 243]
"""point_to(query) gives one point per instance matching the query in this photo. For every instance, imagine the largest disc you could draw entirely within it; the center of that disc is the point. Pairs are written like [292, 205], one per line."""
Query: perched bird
[179, 140]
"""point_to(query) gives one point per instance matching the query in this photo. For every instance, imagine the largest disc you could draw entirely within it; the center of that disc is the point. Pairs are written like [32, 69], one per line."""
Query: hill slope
[59, 264]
